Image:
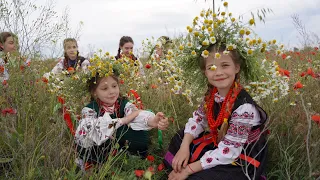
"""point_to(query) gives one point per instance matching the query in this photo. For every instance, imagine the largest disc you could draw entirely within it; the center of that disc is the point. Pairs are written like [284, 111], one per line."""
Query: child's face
[127, 48]
[224, 74]
[71, 49]
[9, 45]
[159, 51]
[107, 90]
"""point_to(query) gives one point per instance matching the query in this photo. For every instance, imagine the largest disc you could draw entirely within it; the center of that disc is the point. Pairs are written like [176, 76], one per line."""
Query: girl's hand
[163, 123]
[154, 121]
[180, 160]
[179, 175]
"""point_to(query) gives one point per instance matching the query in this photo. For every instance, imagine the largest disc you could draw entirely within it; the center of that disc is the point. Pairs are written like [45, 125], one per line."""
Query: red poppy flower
[316, 118]
[284, 72]
[161, 167]
[21, 67]
[302, 74]
[151, 169]
[153, 86]
[297, 85]
[316, 48]
[1, 69]
[71, 70]
[8, 111]
[148, 66]
[150, 158]
[61, 100]
[313, 53]
[45, 80]
[139, 173]
[284, 56]
[121, 81]
[4, 82]
[310, 72]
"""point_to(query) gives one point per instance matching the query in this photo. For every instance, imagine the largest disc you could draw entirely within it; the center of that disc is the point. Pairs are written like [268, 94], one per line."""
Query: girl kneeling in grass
[109, 117]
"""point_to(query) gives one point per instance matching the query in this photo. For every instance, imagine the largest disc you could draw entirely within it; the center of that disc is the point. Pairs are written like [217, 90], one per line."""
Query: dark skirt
[220, 172]
[136, 141]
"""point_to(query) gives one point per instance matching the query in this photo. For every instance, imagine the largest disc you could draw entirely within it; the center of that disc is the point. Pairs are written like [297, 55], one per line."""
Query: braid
[119, 51]
[65, 61]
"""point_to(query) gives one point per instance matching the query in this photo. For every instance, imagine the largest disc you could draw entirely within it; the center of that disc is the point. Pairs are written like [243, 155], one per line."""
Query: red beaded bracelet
[190, 168]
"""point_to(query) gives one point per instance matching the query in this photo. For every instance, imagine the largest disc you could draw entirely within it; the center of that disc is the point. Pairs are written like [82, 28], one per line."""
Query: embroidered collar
[218, 98]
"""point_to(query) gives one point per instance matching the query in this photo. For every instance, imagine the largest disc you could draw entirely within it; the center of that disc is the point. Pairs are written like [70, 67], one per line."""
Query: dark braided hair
[124, 40]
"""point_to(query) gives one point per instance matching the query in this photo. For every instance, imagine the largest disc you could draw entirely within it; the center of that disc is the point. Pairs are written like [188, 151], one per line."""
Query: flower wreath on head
[76, 86]
[223, 30]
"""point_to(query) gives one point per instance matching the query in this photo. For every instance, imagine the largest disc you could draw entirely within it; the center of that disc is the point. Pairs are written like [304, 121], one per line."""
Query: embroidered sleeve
[84, 65]
[4, 75]
[141, 121]
[239, 133]
[57, 69]
[93, 130]
[198, 122]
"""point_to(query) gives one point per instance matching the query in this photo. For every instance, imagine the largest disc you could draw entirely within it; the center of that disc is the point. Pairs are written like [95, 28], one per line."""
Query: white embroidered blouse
[94, 130]
[239, 133]
[58, 68]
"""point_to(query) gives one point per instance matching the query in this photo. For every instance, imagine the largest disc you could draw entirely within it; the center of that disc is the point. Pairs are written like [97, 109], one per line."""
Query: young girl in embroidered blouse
[71, 61]
[235, 147]
[111, 116]
[7, 45]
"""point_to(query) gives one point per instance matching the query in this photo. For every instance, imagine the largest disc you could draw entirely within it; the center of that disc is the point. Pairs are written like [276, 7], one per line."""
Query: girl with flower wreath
[110, 118]
[71, 61]
[235, 146]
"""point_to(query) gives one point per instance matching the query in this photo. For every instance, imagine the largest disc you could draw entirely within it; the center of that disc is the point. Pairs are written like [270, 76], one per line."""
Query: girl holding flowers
[111, 118]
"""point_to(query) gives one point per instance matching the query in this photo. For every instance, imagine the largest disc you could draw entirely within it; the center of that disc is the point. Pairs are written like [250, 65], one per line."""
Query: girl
[71, 61]
[162, 47]
[7, 45]
[235, 147]
[125, 48]
[111, 116]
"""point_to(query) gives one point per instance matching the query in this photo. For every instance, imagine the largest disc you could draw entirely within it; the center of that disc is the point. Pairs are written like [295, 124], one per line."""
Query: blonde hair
[65, 41]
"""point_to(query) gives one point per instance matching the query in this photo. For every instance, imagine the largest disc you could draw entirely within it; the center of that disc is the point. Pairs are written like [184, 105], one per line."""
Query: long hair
[124, 40]
[79, 59]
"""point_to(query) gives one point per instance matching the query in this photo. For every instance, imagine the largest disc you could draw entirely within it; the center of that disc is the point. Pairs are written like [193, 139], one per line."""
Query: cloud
[105, 21]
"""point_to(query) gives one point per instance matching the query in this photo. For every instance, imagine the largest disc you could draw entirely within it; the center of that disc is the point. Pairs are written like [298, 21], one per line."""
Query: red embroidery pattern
[244, 115]
[193, 127]
[230, 142]
[226, 150]
[209, 160]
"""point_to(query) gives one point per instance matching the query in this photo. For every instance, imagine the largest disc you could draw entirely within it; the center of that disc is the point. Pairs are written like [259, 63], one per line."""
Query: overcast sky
[105, 21]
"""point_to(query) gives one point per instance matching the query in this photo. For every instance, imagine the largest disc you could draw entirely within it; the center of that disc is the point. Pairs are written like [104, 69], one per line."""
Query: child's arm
[230, 147]
[56, 69]
[194, 127]
[130, 117]
[93, 130]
